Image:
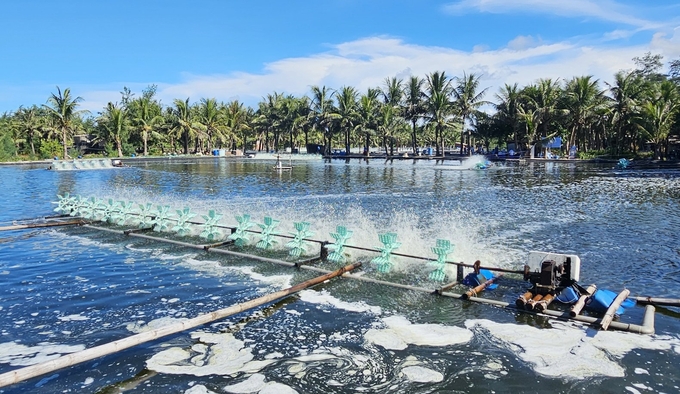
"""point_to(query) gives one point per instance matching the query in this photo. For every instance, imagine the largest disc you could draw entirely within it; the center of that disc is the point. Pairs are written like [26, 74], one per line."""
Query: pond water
[70, 288]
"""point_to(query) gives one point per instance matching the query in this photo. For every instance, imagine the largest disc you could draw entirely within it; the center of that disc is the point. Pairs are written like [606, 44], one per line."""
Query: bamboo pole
[40, 225]
[578, 306]
[648, 318]
[609, 316]
[61, 216]
[445, 287]
[218, 244]
[658, 301]
[68, 360]
[308, 261]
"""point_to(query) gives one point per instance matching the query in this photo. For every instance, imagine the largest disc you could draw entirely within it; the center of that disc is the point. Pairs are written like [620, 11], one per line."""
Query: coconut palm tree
[184, 127]
[261, 126]
[368, 110]
[237, 123]
[389, 124]
[210, 119]
[322, 113]
[144, 114]
[438, 106]
[115, 125]
[538, 108]
[627, 93]
[392, 92]
[293, 117]
[305, 117]
[301, 119]
[413, 109]
[62, 110]
[164, 132]
[30, 124]
[582, 99]
[532, 120]
[272, 116]
[507, 110]
[660, 111]
[468, 99]
[547, 99]
[346, 112]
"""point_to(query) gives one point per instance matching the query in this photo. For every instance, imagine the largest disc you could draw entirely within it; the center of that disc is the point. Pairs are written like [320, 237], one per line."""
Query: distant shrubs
[50, 149]
[7, 148]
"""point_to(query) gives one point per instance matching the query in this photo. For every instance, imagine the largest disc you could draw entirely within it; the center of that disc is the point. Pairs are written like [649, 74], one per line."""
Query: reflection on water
[69, 288]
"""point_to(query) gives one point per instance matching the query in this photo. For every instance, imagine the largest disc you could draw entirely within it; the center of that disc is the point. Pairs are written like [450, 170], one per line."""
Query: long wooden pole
[68, 360]
[609, 316]
[658, 301]
[578, 306]
[39, 225]
[445, 287]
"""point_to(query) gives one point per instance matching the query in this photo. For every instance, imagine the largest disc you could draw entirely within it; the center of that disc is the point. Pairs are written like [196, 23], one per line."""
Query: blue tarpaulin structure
[552, 143]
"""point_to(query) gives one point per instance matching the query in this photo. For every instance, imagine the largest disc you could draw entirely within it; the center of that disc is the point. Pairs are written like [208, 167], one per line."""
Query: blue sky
[247, 49]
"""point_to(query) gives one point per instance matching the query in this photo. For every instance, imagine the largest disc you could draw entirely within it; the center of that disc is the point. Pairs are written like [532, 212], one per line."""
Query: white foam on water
[82, 240]
[164, 256]
[422, 375]
[138, 292]
[315, 357]
[642, 386]
[279, 281]
[619, 343]
[400, 333]
[135, 249]
[277, 388]
[256, 384]
[223, 355]
[253, 384]
[17, 354]
[75, 317]
[274, 355]
[199, 389]
[215, 268]
[325, 298]
[141, 326]
[568, 351]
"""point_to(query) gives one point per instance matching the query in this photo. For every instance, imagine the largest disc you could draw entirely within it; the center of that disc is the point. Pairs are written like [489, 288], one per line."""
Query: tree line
[638, 111]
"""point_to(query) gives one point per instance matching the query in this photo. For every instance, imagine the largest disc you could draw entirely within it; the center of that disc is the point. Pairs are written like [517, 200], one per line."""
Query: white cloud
[669, 46]
[367, 62]
[522, 42]
[606, 10]
[618, 34]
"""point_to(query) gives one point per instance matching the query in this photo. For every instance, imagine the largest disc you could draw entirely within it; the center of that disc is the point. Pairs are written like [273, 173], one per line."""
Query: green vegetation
[638, 114]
